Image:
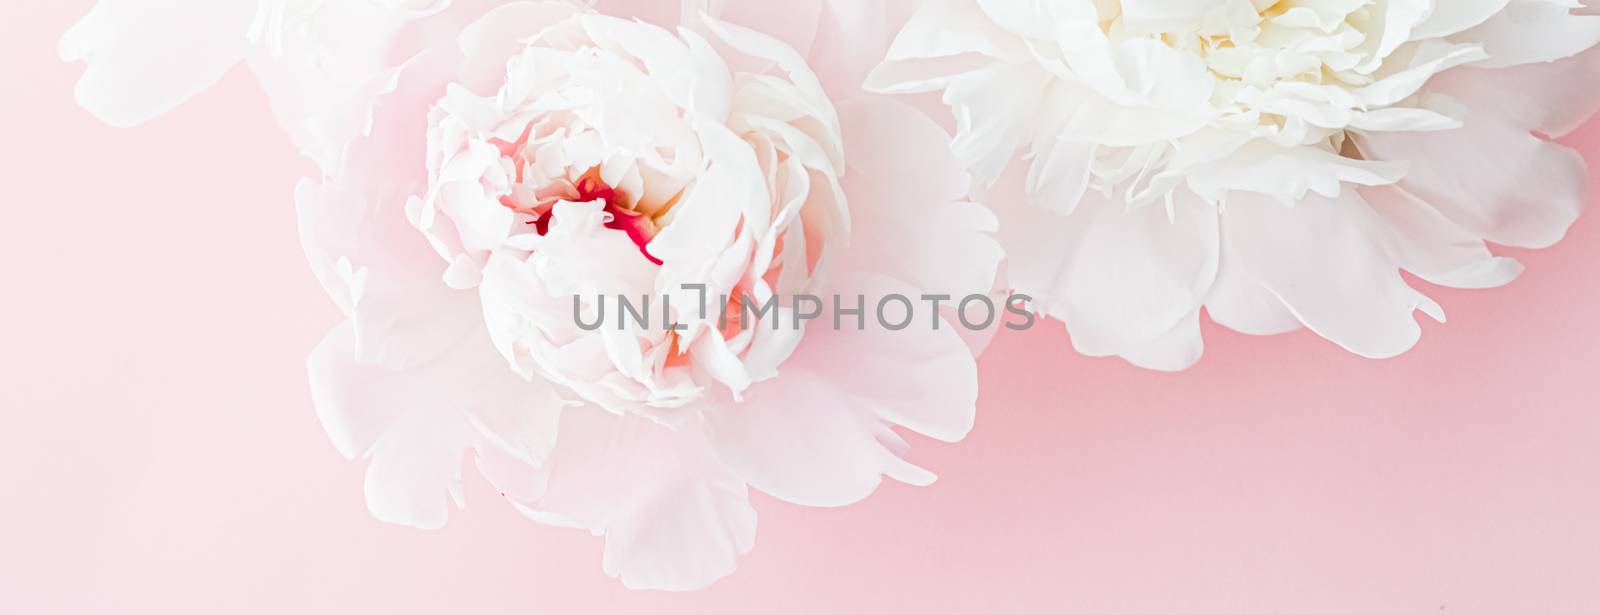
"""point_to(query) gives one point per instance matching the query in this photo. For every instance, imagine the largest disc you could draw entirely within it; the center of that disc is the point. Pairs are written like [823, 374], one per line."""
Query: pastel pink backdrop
[159, 453]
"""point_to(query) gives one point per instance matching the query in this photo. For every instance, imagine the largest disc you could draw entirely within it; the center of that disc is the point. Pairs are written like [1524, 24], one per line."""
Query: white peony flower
[1277, 163]
[544, 161]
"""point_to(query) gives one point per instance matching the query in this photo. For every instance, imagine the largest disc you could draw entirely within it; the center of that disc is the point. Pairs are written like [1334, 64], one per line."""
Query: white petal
[943, 39]
[1428, 244]
[146, 57]
[1178, 349]
[1039, 18]
[1060, 174]
[1526, 194]
[1038, 244]
[673, 517]
[1452, 16]
[382, 274]
[905, 190]
[794, 22]
[922, 378]
[1553, 98]
[327, 69]
[995, 112]
[477, 37]
[1168, 14]
[1322, 258]
[415, 424]
[364, 251]
[664, 14]
[1121, 280]
[1135, 276]
[943, 28]
[853, 35]
[1531, 31]
[1239, 300]
[820, 434]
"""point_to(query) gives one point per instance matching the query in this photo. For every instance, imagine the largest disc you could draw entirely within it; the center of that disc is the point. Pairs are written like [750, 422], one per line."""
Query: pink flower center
[639, 227]
[587, 189]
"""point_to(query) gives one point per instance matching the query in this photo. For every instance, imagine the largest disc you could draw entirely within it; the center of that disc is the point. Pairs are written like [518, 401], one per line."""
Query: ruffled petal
[907, 194]
[325, 73]
[1553, 98]
[354, 229]
[1176, 350]
[673, 517]
[794, 22]
[664, 13]
[381, 274]
[1453, 16]
[1428, 244]
[996, 110]
[415, 424]
[1240, 302]
[821, 434]
[942, 39]
[1168, 14]
[1040, 18]
[1527, 193]
[1323, 259]
[1530, 31]
[1135, 276]
[851, 37]
[1123, 281]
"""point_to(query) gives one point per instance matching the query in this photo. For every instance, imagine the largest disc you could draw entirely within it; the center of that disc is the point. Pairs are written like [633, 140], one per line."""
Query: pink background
[159, 453]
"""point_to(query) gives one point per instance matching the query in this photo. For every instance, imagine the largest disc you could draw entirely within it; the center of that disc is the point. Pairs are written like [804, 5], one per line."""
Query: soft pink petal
[415, 424]
[381, 274]
[1453, 16]
[664, 13]
[922, 378]
[325, 76]
[1121, 280]
[852, 37]
[364, 251]
[1490, 176]
[673, 517]
[794, 21]
[500, 33]
[1041, 18]
[1530, 31]
[906, 195]
[1038, 243]
[1553, 98]
[1239, 300]
[1324, 259]
[1428, 244]
[821, 433]
[941, 39]
[1134, 276]
[996, 115]
[1178, 349]
[1059, 175]
[1168, 14]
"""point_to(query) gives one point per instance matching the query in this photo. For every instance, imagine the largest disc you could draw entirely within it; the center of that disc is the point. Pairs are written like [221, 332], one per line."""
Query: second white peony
[1276, 164]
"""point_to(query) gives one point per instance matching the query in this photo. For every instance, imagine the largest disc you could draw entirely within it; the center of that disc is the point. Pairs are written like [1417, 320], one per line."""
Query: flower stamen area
[589, 188]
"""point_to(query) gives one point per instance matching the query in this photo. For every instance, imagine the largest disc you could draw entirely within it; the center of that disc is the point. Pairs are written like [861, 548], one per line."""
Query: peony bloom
[1277, 163]
[546, 159]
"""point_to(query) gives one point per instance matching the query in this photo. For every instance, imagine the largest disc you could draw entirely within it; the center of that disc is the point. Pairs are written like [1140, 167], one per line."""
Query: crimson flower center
[589, 188]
